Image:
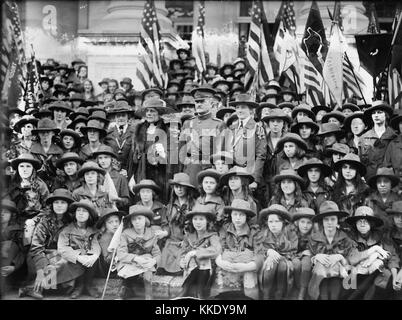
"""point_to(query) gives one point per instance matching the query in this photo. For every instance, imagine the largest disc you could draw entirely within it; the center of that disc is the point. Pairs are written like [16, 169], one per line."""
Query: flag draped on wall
[13, 67]
[260, 67]
[198, 41]
[149, 70]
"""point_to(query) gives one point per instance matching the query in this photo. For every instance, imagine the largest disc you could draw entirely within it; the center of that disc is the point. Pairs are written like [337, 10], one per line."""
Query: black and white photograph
[169, 151]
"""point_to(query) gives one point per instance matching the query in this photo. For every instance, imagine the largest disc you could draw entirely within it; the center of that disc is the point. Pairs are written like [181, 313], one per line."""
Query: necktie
[241, 124]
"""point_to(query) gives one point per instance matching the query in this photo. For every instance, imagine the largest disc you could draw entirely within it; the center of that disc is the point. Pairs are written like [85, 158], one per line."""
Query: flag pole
[354, 75]
[108, 274]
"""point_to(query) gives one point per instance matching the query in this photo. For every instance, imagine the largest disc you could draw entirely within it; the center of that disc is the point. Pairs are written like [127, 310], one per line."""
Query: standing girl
[70, 164]
[292, 151]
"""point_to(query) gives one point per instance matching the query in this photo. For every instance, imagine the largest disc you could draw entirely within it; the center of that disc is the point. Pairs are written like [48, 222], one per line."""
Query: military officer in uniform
[199, 136]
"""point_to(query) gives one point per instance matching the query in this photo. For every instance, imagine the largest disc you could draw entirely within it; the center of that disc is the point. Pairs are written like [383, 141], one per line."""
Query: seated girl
[69, 164]
[78, 245]
[238, 264]
[278, 244]
[378, 257]
[200, 248]
[138, 253]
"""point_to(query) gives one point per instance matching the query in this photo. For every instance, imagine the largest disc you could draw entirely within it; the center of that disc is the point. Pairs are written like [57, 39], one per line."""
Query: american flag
[289, 21]
[350, 87]
[312, 81]
[260, 67]
[395, 67]
[13, 66]
[32, 83]
[149, 70]
[198, 45]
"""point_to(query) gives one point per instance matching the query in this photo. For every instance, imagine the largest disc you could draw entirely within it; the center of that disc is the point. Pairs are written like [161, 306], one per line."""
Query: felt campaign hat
[274, 209]
[90, 166]
[352, 159]
[240, 205]
[106, 213]
[25, 157]
[60, 194]
[203, 210]
[366, 213]
[386, 173]
[329, 208]
[68, 156]
[303, 213]
[236, 171]
[146, 183]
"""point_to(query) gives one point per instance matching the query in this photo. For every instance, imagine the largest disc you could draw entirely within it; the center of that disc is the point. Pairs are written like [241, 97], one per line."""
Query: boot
[79, 288]
[88, 283]
[302, 294]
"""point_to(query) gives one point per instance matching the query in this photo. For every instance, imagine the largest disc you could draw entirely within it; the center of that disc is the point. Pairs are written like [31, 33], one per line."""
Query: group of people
[265, 195]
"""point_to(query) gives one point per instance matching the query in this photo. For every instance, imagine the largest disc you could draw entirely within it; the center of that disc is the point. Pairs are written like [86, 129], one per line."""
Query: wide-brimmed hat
[378, 105]
[157, 104]
[263, 105]
[104, 80]
[60, 194]
[60, 105]
[107, 212]
[329, 208]
[68, 156]
[318, 108]
[126, 80]
[352, 159]
[98, 113]
[303, 213]
[25, 157]
[386, 173]
[139, 210]
[77, 61]
[396, 208]
[305, 121]
[77, 120]
[181, 179]
[121, 106]
[203, 92]
[90, 166]
[273, 84]
[348, 120]
[71, 133]
[303, 108]
[201, 209]
[208, 173]
[314, 163]
[226, 156]
[146, 183]
[287, 91]
[337, 147]
[25, 120]
[367, 213]
[81, 111]
[42, 112]
[274, 209]
[77, 97]
[240, 205]
[9, 205]
[94, 125]
[86, 204]
[244, 99]
[289, 174]
[277, 114]
[236, 171]
[46, 125]
[327, 128]
[291, 137]
[351, 106]
[226, 65]
[104, 150]
[222, 111]
[154, 89]
[333, 114]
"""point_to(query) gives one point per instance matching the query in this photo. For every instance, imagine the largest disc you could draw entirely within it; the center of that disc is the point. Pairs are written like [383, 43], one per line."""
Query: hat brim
[296, 127]
[326, 171]
[250, 104]
[84, 130]
[317, 109]
[271, 117]
[221, 112]
[23, 122]
[326, 117]
[372, 182]
[35, 163]
[298, 216]
[91, 210]
[38, 130]
[73, 134]
[178, 183]
[82, 171]
[309, 113]
[203, 174]
[299, 179]
[249, 213]
[224, 179]
[337, 132]
[298, 142]
[51, 199]
[207, 214]
[67, 110]
[376, 221]
[138, 187]
[102, 219]
[161, 110]
[97, 153]
[60, 163]
[358, 165]
[339, 214]
[266, 212]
